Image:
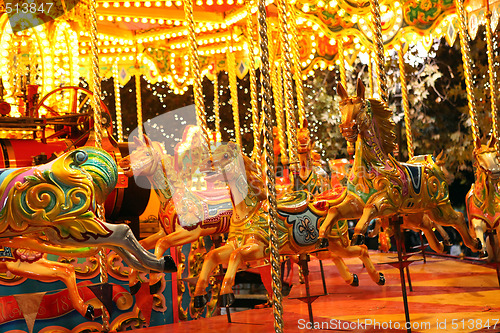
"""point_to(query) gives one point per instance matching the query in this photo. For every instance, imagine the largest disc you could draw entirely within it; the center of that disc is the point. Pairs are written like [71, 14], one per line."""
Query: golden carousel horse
[311, 176]
[299, 217]
[51, 208]
[381, 187]
[184, 215]
[483, 199]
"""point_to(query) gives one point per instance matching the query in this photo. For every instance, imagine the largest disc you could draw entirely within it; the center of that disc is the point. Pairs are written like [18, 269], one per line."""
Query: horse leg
[248, 252]
[121, 237]
[350, 208]
[349, 278]
[148, 243]
[212, 260]
[478, 227]
[48, 271]
[369, 213]
[360, 251]
[179, 237]
[447, 216]
[424, 223]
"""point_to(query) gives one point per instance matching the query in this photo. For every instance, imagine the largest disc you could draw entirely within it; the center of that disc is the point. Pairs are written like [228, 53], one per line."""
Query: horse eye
[226, 155]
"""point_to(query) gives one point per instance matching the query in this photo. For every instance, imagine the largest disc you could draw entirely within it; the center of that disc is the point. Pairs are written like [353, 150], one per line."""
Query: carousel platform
[448, 295]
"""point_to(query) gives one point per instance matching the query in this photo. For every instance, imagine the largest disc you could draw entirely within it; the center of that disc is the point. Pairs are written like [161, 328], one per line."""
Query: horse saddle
[294, 202]
[415, 173]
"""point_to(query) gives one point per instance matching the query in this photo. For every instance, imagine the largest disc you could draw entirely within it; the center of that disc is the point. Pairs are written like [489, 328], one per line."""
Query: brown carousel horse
[483, 199]
[248, 239]
[51, 209]
[184, 215]
[381, 187]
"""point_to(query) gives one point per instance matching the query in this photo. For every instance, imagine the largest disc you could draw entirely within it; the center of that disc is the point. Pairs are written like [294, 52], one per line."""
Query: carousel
[173, 221]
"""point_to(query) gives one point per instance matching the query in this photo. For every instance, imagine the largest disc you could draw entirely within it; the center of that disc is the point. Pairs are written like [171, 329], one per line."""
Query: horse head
[487, 160]
[351, 108]
[304, 139]
[144, 160]
[228, 164]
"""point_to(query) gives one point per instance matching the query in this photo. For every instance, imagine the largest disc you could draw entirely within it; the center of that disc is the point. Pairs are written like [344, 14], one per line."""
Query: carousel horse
[51, 208]
[381, 187]
[248, 240]
[311, 176]
[483, 199]
[184, 215]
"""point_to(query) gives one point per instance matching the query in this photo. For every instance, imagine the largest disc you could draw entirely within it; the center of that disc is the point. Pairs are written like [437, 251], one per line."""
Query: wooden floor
[448, 296]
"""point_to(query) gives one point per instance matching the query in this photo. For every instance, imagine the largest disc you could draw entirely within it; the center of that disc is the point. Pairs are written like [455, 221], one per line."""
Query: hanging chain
[405, 102]
[379, 50]
[464, 47]
[491, 72]
[270, 179]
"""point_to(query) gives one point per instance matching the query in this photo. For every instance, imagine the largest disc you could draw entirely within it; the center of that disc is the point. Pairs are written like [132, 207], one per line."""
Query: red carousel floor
[448, 296]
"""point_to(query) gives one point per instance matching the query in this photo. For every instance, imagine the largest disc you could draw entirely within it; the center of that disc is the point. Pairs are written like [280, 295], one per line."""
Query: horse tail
[102, 168]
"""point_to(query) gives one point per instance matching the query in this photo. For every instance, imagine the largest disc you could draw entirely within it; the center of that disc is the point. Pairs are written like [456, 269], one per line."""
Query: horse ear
[305, 123]
[360, 89]
[147, 140]
[138, 142]
[341, 91]
[492, 141]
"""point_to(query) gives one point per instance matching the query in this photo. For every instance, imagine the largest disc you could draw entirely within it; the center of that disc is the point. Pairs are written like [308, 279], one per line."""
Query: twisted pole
[138, 101]
[270, 178]
[218, 135]
[95, 82]
[118, 103]
[379, 49]
[370, 71]
[491, 72]
[342, 70]
[465, 49]
[196, 72]
[405, 102]
[253, 84]
[288, 84]
[233, 86]
[299, 86]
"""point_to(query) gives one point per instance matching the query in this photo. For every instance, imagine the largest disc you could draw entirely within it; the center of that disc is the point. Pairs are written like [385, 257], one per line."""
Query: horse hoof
[155, 288]
[446, 242]
[355, 280]
[227, 300]
[323, 243]
[200, 301]
[479, 245]
[357, 240]
[89, 314]
[169, 265]
[381, 280]
[134, 289]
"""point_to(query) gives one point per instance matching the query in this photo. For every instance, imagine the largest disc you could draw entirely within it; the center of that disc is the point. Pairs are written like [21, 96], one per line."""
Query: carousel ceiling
[152, 36]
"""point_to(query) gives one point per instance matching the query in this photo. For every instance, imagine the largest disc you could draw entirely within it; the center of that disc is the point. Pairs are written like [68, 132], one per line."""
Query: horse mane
[254, 178]
[382, 118]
